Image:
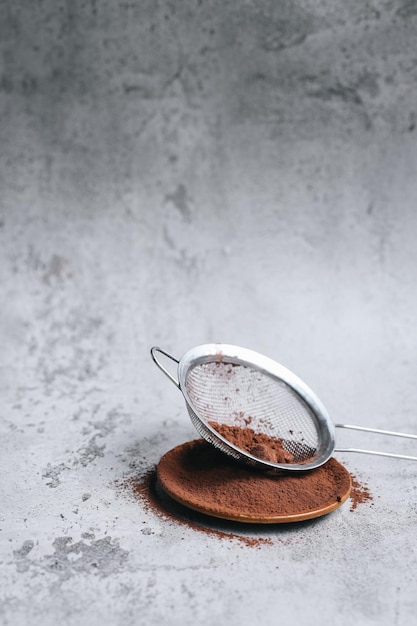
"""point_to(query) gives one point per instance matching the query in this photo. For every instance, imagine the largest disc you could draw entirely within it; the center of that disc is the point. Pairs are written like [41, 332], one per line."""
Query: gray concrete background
[184, 172]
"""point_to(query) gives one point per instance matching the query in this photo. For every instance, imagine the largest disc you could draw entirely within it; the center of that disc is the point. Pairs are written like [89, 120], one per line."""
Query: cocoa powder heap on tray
[196, 474]
[200, 476]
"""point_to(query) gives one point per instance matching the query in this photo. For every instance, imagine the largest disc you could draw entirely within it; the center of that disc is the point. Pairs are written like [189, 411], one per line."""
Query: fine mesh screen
[238, 395]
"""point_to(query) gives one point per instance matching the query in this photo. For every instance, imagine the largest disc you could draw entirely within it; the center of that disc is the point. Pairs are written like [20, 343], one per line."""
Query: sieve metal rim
[217, 352]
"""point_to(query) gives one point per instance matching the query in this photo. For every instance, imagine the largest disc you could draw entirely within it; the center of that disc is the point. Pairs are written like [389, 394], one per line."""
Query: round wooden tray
[198, 476]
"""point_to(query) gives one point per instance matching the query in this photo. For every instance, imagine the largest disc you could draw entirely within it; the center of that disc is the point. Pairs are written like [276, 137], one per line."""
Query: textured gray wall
[241, 172]
[184, 172]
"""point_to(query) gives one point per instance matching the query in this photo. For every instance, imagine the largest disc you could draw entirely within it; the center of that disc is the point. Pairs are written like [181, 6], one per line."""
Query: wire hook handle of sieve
[163, 369]
[390, 433]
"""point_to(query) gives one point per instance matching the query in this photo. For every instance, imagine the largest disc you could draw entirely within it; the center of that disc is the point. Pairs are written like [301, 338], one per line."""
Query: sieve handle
[154, 350]
[392, 455]
[390, 433]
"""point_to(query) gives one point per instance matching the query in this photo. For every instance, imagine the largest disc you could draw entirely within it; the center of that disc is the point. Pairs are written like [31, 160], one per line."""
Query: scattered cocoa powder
[360, 493]
[152, 497]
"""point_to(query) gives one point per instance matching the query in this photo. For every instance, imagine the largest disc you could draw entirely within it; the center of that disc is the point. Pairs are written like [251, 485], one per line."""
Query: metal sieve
[230, 386]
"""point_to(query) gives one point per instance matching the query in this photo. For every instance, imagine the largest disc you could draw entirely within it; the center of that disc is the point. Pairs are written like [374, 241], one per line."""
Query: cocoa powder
[272, 449]
[260, 445]
[146, 489]
[359, 494]
[203, 478]
[212, 476]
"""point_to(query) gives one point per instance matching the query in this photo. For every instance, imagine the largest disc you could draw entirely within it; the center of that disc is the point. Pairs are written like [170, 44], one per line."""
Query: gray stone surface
[182, 172]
